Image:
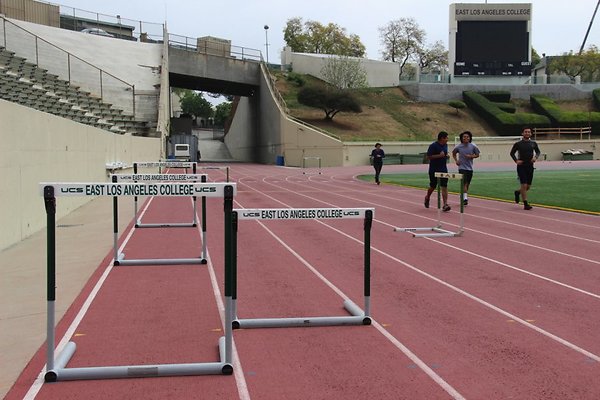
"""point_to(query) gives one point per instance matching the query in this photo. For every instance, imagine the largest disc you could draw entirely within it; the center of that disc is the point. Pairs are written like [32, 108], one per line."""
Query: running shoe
[517, 196]
[446, 208]
[527, 207]
[426, 202]
[465, 202]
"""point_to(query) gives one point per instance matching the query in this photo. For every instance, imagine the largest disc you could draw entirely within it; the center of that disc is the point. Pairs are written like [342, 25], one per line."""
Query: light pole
[267, 42]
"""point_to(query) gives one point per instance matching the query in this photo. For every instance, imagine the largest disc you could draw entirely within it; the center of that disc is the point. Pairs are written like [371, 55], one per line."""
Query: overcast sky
[557, 25]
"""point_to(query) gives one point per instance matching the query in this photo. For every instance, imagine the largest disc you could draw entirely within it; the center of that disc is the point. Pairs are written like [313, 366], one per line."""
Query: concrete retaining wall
[357, 153]
[443, 92]
[40, 147]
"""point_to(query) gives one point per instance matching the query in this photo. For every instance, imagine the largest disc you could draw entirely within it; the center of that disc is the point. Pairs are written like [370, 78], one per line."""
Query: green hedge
[565, 119]
[504, 123]
[497, 96]
[507, 107]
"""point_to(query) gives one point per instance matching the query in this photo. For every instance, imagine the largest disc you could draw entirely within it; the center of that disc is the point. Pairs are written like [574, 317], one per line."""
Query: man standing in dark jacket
[528, 153]
[377, 156]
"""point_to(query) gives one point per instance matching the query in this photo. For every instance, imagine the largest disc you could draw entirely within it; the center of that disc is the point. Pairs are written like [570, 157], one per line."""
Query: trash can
[279, 160]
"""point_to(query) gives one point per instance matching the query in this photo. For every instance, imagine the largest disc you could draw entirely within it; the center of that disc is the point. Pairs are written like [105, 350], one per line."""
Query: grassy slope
[390, 115]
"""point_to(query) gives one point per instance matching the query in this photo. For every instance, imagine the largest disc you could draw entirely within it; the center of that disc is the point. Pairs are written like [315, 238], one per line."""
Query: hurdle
[437, 230]
[357, 317]
[145, 178]
[161, 177]
[214, 167]
[154, 189]
[56, 369]
[311, 158]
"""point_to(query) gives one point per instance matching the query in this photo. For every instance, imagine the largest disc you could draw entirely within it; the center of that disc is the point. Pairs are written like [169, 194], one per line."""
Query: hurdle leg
[50, 204]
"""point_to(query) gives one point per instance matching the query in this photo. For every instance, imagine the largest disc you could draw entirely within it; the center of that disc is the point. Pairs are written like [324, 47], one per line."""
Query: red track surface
[510, 310]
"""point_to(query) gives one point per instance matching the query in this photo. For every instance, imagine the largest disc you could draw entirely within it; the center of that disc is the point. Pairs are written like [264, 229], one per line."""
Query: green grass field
[572, 190]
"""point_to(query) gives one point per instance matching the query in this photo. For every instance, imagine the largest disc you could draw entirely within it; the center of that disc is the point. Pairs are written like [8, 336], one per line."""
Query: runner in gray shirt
[463, 155]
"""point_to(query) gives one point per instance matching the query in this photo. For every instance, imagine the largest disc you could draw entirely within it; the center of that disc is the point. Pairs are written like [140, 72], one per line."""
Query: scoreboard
[490, 39]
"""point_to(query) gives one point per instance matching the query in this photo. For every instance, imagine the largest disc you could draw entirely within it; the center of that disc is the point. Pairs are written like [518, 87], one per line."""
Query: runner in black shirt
[528, 152]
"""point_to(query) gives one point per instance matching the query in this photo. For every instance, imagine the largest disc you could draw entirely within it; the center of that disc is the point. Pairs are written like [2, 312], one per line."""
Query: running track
[510, 310]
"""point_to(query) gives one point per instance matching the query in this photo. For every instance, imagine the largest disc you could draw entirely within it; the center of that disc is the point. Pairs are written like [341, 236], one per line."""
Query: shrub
[457, 104]
[295, 78]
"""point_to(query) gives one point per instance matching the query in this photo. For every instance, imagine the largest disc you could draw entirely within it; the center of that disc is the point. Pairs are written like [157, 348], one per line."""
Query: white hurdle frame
[357, 317]
[311, 158]
[56, 369]
[215, 167]
[153, 189]
[157, 178]
[175, 178]
[437, 230]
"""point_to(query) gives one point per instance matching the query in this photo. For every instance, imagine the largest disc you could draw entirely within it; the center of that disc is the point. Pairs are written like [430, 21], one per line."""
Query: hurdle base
[60, 373]
[430, 232]
[167, 225]
[358, 317]
[159, 261]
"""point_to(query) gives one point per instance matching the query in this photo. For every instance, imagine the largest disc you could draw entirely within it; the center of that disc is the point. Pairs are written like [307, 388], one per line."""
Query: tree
[344, 73]
[434, 58]
[402, 40]
[592, 61]
[314, 37]
[569, 64]
[195, 104]
[330, 100]
[222, 113]
[535, 57]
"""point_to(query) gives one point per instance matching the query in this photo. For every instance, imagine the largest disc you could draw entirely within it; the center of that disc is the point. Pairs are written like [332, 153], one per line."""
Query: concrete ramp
[211, 149]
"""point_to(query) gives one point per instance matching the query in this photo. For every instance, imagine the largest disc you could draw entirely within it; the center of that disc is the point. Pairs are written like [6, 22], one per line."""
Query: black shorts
[433, 181]
[525, 173]
[467, 175]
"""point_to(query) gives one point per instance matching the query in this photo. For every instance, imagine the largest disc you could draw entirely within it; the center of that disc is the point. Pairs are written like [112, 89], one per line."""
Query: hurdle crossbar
[56, 369]
[357, 315]
[438, 231]
[311, 158]
[167, 164]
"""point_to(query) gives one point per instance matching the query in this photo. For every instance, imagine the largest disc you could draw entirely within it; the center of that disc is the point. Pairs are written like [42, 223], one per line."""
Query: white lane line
[39, 381]
[405, 350]
[478, 300]
[238, 371]
[521, 243]
[458, 290]
[517, 269]
[483, 233]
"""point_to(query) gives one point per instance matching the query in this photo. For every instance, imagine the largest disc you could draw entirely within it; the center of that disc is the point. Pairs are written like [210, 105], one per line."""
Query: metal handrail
[557, 131]
[214, 47]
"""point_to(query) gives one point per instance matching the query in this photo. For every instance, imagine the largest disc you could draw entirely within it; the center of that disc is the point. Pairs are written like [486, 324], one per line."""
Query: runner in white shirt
[463, 155]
